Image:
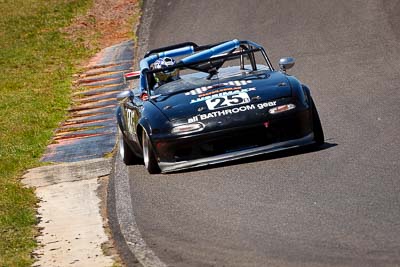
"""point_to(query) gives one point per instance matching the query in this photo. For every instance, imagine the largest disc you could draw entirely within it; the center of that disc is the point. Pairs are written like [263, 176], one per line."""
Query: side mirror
[286, 63]
[121, 96]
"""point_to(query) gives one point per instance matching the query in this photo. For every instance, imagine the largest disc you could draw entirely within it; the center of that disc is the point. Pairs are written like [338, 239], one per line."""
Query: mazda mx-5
[198, 105]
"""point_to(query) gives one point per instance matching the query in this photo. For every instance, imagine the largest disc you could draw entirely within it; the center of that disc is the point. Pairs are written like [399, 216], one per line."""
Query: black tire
[149, 158]
[127, 155]
[317, 127]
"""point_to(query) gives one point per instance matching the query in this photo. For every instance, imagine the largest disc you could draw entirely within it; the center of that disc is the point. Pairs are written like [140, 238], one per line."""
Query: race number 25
[227, 101]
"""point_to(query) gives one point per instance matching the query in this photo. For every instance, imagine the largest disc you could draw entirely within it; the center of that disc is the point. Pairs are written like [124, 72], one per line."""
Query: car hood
[260, 89]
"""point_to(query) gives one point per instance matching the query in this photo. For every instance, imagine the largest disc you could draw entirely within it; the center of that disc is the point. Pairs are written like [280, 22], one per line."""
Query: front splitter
[251, 152]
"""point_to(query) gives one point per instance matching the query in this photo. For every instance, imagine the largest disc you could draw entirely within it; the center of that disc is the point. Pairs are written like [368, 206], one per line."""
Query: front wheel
[149, 157]
[317, 127]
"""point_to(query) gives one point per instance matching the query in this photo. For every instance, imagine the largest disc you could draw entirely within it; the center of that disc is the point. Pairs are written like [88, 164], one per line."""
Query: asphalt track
[337, 206]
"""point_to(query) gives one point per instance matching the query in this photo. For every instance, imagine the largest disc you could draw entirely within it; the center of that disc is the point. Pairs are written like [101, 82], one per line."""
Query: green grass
[36, 66]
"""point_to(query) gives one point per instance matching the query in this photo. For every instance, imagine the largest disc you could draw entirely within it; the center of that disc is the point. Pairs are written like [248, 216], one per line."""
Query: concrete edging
[71, 205]
[71, 226]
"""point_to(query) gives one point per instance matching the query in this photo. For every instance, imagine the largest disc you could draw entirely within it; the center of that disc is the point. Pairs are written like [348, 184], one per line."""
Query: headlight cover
[188, 128]
[281, 108]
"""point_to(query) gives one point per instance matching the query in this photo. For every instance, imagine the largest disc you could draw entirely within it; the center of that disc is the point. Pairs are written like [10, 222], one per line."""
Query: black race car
[229, 103]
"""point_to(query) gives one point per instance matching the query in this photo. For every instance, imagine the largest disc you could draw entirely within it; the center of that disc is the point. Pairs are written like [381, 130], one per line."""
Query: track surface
[336, 206]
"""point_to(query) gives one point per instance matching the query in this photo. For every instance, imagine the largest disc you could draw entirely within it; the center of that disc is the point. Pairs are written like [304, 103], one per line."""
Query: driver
[166, 76]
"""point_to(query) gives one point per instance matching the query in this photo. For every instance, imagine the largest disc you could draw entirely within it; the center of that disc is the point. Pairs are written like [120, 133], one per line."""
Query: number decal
[236, 99]
[218, 102]
[130, 114]
[227, 101]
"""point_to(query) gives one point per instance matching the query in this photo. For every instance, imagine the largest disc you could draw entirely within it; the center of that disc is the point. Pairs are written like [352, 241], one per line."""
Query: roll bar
[189, 48]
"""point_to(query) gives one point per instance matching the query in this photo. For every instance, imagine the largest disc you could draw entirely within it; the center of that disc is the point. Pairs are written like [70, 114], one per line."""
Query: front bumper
[175, 153]
[175, 166]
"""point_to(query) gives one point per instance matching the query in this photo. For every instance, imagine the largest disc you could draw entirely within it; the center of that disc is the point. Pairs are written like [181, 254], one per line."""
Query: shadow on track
[274, 155]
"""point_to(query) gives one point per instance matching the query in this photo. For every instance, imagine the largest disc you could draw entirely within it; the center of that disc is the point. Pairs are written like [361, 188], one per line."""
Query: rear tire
[149, 157]
[317, 127]
[127, 155]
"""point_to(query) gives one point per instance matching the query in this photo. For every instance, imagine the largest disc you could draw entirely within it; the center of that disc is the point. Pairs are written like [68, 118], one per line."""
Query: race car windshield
[193, 80]
[231, 65]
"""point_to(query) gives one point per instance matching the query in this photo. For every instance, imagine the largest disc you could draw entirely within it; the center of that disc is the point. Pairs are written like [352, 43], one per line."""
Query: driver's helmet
[167, 75]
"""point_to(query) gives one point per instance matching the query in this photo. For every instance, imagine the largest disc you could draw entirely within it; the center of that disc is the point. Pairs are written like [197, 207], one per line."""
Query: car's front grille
[234, 141]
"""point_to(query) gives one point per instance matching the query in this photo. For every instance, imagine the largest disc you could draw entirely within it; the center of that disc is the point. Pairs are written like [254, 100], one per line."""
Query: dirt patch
[108, 22]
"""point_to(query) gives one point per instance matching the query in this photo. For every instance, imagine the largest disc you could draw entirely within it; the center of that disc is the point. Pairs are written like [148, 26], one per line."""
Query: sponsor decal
[201, 90]
[231, 111]
[219, 113]
[266, 104]
[221, 93]
[224, 90]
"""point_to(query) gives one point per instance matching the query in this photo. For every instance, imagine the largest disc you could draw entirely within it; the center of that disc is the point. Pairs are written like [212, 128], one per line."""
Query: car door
[133, 108]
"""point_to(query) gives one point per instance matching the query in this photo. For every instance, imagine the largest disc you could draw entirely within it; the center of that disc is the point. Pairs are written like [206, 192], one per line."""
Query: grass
[36, 66]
